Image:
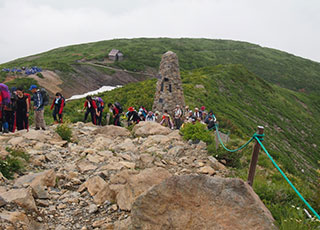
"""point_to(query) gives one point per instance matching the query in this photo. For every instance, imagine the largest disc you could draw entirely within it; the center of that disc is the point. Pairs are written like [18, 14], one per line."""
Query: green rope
[260, 136]
[286, 178]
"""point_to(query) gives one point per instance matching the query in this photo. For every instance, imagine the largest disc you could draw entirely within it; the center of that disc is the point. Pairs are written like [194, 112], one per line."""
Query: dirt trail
[51, 81]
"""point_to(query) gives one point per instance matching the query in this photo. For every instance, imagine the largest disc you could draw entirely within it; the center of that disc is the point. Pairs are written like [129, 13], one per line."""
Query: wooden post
[254, 159]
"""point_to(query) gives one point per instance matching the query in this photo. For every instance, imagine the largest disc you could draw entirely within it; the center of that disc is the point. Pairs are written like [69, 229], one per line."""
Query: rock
[146, 160]
[176, 151]
[39, 192]
[46, 178]
[123, 224]
[126, 146]
[85, 166]
[2, 202]
[150, 128]
[112, 131]
[200, 202]
[99, 189]
[127, 164]
[37, 135]
[21, 220]
[16, 141]
[206, 170]
[22, 197]
[2, 179]
[95, 158]
[216, 164]
[92, 208]
[131, 186]
[102, 143]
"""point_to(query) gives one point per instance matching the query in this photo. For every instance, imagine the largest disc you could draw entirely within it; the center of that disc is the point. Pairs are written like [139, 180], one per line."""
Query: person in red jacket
[91, 106]
[57, 106]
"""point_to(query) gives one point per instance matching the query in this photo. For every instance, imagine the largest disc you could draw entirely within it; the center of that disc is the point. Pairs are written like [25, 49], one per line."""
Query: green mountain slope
[242, 101]
[272, 65]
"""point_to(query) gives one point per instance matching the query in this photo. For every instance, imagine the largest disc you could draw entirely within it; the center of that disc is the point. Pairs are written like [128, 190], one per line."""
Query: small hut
[115, 55]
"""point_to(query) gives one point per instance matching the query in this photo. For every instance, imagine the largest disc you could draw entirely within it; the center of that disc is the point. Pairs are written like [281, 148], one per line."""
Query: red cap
[130, 109]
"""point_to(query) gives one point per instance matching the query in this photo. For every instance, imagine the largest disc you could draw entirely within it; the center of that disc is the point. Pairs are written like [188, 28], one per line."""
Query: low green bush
[40, 75]
[197, 132]
[14, 162]
[64, 132]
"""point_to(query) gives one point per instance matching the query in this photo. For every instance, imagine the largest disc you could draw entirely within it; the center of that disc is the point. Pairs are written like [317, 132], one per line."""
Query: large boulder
[146, 128]
[200, 202]
[99, 189]
[22, 197]
[46, 178]
[128, 185]
[112, 131]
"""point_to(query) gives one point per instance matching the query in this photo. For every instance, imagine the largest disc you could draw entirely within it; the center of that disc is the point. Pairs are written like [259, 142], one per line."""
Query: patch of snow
[101, 90]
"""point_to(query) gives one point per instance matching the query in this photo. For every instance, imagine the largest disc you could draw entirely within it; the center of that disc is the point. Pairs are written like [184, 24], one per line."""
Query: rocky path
[93, 182]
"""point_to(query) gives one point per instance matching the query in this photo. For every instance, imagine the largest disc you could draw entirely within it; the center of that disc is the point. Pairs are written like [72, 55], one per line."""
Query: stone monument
[169, 92]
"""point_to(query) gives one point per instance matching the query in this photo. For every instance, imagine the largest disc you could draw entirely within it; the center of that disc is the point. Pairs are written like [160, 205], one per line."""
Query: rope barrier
[259, 138]
[234, 150]
[286, 178]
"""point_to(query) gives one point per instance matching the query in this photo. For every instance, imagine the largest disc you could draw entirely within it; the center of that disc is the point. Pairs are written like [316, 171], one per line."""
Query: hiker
[22, 111]
[57, 106]
[166, 120]
[4, 100]
[143, 111]
[202, 110]
[157, 117]
[100, 107]
[92, 108]
[150, 116]
[211, 123]
[9, 112]
[210, 115]
[197, 114]
[133, 117]
[116, 111]
[38, 106]
[189, 117]
[178, 117]
[141, 116]
[204, 116]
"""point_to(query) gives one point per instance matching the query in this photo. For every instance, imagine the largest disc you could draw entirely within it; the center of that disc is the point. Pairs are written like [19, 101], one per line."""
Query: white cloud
[33, 26]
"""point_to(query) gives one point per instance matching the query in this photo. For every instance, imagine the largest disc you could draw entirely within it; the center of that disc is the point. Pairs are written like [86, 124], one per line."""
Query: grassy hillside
[272, 65]
[241, 101]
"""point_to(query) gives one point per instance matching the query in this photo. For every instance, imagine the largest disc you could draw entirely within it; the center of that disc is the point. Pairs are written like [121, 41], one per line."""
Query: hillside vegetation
[274, 66]
[242, 101]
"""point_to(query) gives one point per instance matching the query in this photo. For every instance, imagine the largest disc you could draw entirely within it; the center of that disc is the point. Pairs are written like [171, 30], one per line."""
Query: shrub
[64, 132]
[13, 163]
[40, 75]
[196, 132]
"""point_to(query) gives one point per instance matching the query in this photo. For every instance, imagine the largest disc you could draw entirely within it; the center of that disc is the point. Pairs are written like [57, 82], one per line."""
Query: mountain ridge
[143, 54]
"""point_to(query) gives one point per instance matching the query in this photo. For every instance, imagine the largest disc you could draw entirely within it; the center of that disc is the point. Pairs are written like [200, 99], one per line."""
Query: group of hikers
[15, 107]
[181, 116]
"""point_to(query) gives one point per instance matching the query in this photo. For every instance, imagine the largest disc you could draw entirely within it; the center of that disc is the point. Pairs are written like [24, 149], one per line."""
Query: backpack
[45, 96]
[99, 102]
[118, 106]
[64, 101]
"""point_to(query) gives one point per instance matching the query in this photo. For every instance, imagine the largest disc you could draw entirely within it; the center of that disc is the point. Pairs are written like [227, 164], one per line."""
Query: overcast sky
[33, 26]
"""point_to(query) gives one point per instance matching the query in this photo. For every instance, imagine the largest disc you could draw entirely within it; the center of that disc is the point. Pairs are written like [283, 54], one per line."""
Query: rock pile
[99, 180]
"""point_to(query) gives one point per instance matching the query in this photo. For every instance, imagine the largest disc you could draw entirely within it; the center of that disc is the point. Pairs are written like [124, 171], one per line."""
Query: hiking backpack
[45, 96]
[118, 106]
[64, 101]
[99, 102]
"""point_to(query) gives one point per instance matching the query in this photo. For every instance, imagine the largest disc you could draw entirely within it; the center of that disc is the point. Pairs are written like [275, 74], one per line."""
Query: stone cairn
[169, 92]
